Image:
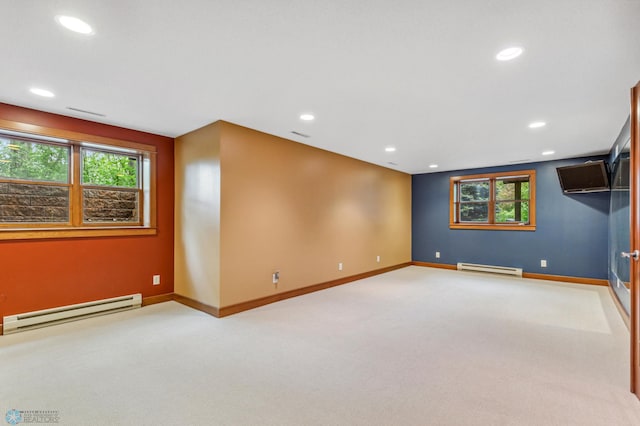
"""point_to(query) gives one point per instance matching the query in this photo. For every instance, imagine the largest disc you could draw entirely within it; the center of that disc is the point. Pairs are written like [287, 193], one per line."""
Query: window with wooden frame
[56, 184]
[504, 201]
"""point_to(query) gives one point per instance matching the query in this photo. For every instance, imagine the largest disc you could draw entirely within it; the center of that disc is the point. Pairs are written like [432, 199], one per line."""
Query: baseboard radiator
[490, 268]
[37, 319]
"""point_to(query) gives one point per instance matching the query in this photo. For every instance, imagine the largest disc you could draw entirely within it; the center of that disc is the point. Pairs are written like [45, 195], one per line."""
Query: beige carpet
[417, 346]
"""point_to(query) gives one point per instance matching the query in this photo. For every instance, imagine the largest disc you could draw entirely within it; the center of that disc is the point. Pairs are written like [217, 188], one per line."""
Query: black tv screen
[591, 176]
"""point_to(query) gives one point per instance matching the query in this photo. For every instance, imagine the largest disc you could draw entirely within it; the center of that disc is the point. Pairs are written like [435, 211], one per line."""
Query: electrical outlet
[156, 280]
[275, 277]
[340, 266]
[378, 259]
[437, 255]
[543, 263]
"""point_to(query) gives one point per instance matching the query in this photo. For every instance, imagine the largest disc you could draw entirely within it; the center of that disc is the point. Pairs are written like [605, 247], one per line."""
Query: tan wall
[301, 210]
[197, 215]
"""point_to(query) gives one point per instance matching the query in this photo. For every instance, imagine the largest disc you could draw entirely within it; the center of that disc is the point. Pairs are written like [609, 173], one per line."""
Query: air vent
[526, 160]
[300, 134]
[86, 112]
[392, 163]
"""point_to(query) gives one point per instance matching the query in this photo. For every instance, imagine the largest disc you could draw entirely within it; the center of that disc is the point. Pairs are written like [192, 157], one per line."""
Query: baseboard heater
[37, 319]
[490, 268]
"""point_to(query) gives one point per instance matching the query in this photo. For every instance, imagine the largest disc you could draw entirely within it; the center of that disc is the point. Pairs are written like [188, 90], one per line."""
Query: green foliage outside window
[512, 200]
[28, 160]
[474, 191]
[109, 169]
[474, 197]
[33, 161]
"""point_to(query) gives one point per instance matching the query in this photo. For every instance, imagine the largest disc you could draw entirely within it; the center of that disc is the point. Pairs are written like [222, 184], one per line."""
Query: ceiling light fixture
[433, 166]
[390, 149]
[42, 92]
[74, 24]
[548, 152]
[537, 124]
[307, 117]
[509, 53]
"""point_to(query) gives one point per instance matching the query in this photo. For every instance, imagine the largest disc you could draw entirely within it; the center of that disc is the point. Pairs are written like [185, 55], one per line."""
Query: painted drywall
[41, 274]
[571, 230]
[300, 210]
[197, 215]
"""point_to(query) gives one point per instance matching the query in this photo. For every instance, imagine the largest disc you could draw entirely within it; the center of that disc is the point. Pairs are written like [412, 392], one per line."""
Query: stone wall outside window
[33, 203]
[110, 205]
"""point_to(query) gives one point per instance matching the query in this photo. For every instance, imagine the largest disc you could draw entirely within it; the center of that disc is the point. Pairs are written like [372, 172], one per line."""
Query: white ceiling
[418, 75]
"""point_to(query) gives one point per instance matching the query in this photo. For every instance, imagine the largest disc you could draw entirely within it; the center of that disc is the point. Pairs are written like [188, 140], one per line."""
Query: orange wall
[301, 210]
[41, 274]
[197, 215]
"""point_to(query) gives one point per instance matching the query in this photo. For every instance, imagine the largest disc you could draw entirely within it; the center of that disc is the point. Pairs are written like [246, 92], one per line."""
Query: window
[34, 181]
[110, 186]
[503, 201]
[62, 184]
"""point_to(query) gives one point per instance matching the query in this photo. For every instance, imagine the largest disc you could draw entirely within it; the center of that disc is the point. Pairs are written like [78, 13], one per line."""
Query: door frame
[635, 240]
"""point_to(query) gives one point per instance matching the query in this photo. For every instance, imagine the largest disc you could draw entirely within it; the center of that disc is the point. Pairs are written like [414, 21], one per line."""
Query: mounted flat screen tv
[592, 176]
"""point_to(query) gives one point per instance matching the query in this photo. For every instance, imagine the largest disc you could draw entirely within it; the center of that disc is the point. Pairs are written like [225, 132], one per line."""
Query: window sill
[493, 227]
[44, 233]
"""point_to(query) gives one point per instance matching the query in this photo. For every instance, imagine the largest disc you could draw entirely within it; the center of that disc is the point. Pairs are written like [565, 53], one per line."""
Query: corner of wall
[197, 215]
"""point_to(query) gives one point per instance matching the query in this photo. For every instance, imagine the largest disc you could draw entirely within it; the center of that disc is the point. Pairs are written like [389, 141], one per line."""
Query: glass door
[620, 228]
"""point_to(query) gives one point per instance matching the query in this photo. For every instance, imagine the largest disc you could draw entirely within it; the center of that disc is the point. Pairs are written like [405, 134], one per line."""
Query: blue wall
[571, 230]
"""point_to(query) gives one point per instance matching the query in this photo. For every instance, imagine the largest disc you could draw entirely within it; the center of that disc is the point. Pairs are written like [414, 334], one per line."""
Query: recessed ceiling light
[509, 53]
[537, 124]
[42, 92]
[74, 24]
[390, 149]
[548, 152]
[433, 166]
[307, 117]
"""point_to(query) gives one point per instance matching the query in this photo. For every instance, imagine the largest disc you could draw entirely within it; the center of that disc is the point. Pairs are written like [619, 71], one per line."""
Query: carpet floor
[417, 346]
